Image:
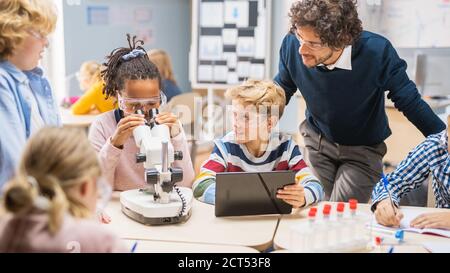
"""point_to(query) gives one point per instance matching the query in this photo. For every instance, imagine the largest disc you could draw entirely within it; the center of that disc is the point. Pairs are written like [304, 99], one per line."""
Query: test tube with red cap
[325, 229]
[312, 215]
[343, 227]
[378, 242]
[309, 239]
[353, 204]
[326, 211]
[340, 210]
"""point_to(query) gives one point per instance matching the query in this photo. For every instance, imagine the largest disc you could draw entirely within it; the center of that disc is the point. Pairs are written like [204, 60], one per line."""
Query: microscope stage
[141, 207]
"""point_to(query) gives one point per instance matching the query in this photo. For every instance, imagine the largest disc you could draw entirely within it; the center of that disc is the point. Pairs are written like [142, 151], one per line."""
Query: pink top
[29, 233]
[119, 165]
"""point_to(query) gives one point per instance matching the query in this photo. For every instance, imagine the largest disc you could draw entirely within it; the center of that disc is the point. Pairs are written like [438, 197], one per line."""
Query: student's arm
[432, 220]
[403, 92]
[412, 171]
[283, 78]
[205, 183]
[313, 189]
[13, 136]
[179, 143]
[86, 101]
[108, 154]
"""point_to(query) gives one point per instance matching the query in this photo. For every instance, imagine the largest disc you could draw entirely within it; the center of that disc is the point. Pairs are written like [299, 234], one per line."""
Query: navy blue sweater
[347, 106]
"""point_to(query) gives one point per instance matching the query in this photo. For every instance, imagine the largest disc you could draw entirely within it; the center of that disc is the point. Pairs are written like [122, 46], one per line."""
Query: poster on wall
[230, 41]
[97, 15]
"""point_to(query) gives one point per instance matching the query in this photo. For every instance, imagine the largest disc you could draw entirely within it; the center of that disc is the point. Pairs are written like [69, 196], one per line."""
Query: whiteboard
[410, 23]
[230, 42]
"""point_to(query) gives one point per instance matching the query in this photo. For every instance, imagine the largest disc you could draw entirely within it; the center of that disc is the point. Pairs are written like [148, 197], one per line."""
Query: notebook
[437, 247]
[410, 214]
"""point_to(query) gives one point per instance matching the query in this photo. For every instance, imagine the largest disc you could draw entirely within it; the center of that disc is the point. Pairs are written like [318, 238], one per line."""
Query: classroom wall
[280, 26]
[168, 23]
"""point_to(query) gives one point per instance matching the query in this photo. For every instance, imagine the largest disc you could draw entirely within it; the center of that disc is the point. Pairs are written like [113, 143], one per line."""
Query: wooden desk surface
[203, 227]
[413, 241]
[144, 246]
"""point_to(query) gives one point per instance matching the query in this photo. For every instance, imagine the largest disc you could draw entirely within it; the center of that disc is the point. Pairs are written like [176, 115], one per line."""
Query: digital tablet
[251, 193]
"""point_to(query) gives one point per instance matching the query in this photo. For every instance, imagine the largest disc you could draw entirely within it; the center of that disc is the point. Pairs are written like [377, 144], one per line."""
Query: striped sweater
[282, 153]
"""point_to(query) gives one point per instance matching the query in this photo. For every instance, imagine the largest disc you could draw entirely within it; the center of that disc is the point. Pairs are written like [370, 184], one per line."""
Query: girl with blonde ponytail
[51, 201]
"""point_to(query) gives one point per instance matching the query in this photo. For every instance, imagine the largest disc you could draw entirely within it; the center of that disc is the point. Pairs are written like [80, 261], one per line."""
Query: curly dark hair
[335, 21]
[117, 70]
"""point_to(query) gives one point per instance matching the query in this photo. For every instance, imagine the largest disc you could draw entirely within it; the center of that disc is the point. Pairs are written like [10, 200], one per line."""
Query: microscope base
[142, 208]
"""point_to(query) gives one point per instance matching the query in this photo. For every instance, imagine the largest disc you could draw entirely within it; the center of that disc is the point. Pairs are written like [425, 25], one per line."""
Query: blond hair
[54, 160]
[162, 61]
[92, 69]
[260, 93]
[19, 16]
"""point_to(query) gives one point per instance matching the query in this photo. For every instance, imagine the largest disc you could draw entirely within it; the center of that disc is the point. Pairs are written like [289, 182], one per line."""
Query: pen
[390, 249]
[133, 248]
[385, 184]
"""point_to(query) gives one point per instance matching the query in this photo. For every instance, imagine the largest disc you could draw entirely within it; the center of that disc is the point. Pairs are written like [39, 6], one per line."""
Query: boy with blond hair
[255, 145]
[27, 102]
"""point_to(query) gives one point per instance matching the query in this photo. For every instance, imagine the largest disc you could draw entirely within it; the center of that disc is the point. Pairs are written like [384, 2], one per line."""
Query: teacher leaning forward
[343, 73]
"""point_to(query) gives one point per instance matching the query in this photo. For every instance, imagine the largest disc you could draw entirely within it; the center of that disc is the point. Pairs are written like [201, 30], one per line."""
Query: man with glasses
[343, 73]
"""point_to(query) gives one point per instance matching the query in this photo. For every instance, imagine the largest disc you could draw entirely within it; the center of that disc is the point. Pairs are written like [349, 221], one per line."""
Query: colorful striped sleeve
[313, 188]
[205, 183]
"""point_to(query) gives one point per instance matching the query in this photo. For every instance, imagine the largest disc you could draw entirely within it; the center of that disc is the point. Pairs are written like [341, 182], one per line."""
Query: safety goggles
[131, 105]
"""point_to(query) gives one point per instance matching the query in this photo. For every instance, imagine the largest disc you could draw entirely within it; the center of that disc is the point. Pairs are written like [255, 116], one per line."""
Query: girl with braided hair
[135, 82]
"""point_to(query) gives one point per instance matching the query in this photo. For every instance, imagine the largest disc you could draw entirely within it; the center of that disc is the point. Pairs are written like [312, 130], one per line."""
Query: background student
[162, 61]
[93, 100]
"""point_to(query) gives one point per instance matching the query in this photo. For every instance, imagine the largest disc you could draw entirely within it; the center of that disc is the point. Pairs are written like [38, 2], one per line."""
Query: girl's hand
[293, 195]
[386, 215]
[103, 217]
[125, 128]
[171, 120]
[432, 220]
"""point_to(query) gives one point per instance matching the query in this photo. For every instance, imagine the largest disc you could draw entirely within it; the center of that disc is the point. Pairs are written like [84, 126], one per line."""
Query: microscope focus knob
[140, 157]
[152, 176]
[178, 155]
[176, 174]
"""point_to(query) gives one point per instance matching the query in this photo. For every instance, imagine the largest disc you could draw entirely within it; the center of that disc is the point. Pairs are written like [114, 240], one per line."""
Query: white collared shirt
[36, 120]
[344, 61]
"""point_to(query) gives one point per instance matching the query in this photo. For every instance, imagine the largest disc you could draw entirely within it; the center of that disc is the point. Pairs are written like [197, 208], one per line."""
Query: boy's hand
[125, 128]
[432, 220]
[386, 215]
[293, 195]
[171, 120]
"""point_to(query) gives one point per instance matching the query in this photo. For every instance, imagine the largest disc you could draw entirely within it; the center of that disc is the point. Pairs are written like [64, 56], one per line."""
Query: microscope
[160, 202]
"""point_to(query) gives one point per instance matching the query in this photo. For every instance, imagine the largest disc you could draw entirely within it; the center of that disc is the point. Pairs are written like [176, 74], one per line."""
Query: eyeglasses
[249, 118]
[311, 45]
[131, 105]
[37, 35]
